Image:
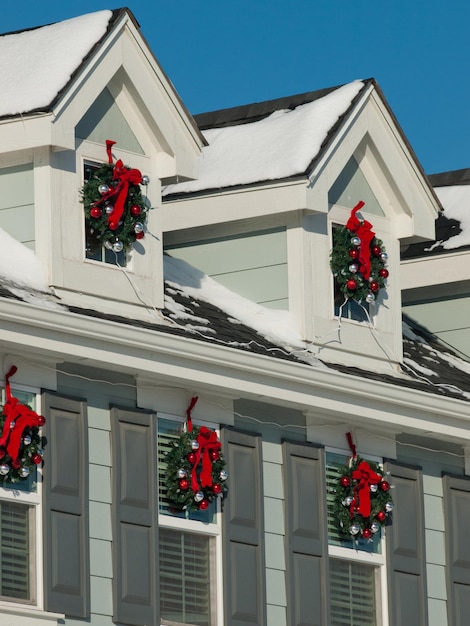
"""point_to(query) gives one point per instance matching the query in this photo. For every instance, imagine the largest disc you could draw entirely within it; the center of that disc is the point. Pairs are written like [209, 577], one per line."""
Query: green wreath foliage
[30, 455]
[178, 463]
[381, 503]
[341, 262]
[98, 232]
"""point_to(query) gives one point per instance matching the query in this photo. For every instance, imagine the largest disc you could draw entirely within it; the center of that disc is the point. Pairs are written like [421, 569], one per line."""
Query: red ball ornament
[204, 504]
[216, 488]
[374, 286]
[384, 485]
[345, 481]
[183, 483]
[191, 458]
[354, 253]
[367, 533]
[376, 250]
[351, 284]
[135, 210]
[139, 235]
[383, 273]
[41, 420]
[95, 212]
[214, 455]
[36, 458]
[113, 225]
[381, 516]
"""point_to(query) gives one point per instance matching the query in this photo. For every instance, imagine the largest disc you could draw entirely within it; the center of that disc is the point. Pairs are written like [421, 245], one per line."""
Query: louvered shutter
[406, 548]
[243, 528]
[15, 550]
[457, 516]
[135, 527]
[306, 546]
[66, 549]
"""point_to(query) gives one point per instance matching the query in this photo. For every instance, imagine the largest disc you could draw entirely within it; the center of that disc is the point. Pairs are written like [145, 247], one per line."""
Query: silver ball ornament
[194, 445]
[109, 209]
[138, 227]
[348, 501]
[103, 189]
[198, 496]
[145, 180]
[24, 472]
[375, 527]
[354, 529]
[356, 241]
[223, 475]
[4, 469]
[118, 246]
[389, 507]
[384, 256]
[353, 268]
[12, 425]
[181, 473]
[373, 488]
[370, 297]
[26, 440]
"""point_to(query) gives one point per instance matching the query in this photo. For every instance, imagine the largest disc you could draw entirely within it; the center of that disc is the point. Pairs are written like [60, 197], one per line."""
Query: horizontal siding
[17, 203]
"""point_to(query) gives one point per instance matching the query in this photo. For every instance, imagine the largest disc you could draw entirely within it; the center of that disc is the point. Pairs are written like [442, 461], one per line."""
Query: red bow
[208, 442]
[364, 231]
[18, 417]
[365, 477]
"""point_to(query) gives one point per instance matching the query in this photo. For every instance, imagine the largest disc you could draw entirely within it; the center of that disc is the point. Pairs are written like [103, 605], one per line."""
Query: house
[228, 298]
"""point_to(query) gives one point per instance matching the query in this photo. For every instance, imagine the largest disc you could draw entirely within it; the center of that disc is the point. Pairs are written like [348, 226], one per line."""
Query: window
[357, 572]
[189, 543]
[19, 532]
[95, 251]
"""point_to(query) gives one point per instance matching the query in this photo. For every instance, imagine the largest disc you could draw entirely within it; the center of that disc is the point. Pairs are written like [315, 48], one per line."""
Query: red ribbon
[122, 177]
[364, 231]
[351, 444]
[208, 442]
[365, 477]
[21, 416]
[189, 420]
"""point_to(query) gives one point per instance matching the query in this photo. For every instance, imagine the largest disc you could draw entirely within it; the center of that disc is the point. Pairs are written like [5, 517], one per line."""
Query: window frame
[212, 530]
[33, 500]
[377, 560]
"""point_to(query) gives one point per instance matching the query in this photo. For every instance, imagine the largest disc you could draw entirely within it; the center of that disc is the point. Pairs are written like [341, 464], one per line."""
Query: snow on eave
[279, 146]
[456, 202]
[38, 64]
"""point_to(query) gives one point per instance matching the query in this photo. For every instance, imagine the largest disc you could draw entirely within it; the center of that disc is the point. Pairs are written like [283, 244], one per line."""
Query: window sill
[17, 615]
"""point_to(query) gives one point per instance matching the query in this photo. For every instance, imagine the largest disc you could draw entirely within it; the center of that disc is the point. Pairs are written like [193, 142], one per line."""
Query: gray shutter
[243, 528]
[306, 536]
[457, 512]
[135, 521]
[66, 540]
[406, 548]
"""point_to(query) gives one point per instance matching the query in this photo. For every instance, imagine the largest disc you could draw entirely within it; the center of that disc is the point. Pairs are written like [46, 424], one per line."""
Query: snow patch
[456, 203]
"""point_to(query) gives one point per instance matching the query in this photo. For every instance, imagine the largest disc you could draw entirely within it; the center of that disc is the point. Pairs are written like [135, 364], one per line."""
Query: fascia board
[183, 361]
[441, 269]
[227, 205]
[26, 133]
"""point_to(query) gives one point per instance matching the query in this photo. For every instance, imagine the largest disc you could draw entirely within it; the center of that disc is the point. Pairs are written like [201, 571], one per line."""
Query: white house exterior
[112, 355]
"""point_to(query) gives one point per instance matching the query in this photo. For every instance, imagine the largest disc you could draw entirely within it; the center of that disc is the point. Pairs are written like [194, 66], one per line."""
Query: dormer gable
[114, 89]
[363, 155]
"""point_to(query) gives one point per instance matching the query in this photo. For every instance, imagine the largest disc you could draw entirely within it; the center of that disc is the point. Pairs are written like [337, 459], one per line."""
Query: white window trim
[33, 499]
[379, 561]
[211, 529]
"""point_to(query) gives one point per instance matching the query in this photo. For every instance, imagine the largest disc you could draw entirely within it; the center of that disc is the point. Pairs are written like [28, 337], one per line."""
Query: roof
[272, 140]
[453, 224]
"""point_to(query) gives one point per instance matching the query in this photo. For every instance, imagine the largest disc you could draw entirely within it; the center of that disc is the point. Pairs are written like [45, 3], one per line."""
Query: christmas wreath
[358, 259]
[21, 442]
[196, 472]
[362, 502]
[115, 210]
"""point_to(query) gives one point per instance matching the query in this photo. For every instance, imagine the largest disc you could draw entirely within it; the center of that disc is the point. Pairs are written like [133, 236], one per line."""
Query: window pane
[185, 579]
[352, 594]
[334, 464]
[168, 432]
[14, 550]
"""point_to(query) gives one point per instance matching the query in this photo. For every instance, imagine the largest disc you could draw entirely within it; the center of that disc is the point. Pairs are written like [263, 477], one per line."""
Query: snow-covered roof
[453, 224]
[281, 145]
[37, 64]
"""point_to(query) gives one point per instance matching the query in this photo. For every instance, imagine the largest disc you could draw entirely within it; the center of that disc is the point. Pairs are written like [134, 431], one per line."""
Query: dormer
[275, 180]
[106, 85]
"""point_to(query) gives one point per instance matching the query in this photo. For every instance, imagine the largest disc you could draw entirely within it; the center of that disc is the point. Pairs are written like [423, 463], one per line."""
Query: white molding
[431, 271]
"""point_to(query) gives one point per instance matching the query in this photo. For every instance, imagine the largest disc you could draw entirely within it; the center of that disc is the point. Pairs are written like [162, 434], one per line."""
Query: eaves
[181, 361]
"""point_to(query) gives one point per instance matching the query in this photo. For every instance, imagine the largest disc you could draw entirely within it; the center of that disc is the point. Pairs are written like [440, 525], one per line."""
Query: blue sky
[221, 54]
